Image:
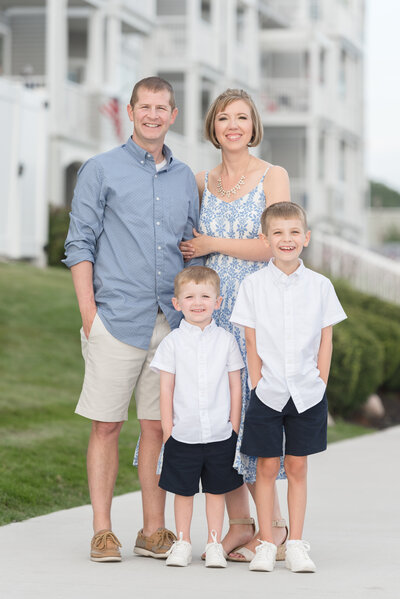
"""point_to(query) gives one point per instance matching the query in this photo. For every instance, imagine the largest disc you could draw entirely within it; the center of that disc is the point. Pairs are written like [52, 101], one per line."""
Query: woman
[233, 196]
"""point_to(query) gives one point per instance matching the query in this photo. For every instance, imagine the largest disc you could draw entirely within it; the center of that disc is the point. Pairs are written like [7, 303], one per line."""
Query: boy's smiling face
[197, 302]
[286, 238]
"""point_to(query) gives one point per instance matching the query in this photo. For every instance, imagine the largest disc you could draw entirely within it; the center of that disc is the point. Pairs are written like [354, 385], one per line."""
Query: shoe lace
[100, 540]
[217, 547]
[303, 547]
[263, 547]
[165, 537]
[179, 546]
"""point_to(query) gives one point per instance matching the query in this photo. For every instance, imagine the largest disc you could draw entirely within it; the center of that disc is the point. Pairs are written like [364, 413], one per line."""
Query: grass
[42, 443]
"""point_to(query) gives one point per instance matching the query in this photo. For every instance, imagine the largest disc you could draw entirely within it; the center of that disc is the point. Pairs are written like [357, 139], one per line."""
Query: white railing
[81, 112]
[366, 270]
[284, 95]
[171, 38]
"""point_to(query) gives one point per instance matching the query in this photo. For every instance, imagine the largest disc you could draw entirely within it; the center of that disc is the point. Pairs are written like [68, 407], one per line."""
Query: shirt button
[158, 222]
[159, 272]
[157, 199]
[159, 247]
[142, 162]
[155, 176]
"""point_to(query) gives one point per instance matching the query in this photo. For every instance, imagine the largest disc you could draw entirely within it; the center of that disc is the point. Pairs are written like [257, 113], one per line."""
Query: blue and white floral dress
[237, 219]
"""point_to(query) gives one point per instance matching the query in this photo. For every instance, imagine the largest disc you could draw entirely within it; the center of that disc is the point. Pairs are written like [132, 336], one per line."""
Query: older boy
[288, 312]
[200, 401]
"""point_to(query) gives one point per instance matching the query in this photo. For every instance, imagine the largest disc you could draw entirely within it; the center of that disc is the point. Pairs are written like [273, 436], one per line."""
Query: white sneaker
[264, 559]
[215, 553]
[297, 558]
[180, 554]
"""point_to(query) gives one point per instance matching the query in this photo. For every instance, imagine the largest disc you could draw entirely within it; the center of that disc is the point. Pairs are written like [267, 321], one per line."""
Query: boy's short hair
[220, 103]
[196, 274]
[153, 84]
[284, 210]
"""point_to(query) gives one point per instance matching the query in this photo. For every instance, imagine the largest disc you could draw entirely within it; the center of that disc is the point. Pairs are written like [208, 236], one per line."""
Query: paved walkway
[353, 525]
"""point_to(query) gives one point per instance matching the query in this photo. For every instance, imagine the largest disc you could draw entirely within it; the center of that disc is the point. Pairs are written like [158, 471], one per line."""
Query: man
[131, 208]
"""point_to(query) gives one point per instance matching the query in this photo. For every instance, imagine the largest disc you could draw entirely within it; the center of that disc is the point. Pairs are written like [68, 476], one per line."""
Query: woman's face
[233, 125]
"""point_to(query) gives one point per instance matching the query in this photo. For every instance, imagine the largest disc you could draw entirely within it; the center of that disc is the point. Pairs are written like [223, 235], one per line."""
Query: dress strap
[206, 180]
[265, 172]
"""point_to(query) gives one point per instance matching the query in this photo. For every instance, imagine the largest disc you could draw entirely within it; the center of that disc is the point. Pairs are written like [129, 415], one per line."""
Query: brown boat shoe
[105, 547]
[157, 545]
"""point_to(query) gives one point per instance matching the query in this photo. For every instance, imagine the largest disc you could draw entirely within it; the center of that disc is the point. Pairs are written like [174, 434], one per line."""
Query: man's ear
[174, 114]
[307, 240]
[129, 110]
[176, 305]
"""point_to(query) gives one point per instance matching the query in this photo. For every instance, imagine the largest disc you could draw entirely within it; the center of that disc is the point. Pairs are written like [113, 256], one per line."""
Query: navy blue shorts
[184, 464]
[305, 433]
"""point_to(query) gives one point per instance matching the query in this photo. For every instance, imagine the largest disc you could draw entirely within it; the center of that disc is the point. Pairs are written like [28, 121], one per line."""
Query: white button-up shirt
[200, 360]
[288, 313]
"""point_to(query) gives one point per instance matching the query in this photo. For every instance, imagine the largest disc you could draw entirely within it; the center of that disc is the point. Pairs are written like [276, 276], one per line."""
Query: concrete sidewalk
[353, 526]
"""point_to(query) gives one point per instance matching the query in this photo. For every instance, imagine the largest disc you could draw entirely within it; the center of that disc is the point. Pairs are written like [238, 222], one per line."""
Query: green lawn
[42, 442]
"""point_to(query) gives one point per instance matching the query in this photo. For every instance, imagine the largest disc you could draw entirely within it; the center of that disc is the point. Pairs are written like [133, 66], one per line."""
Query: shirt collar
[192, 329]
[142, 156]
[282, 278]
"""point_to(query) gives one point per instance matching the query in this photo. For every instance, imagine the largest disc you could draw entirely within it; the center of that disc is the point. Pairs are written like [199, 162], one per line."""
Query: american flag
[111, 110]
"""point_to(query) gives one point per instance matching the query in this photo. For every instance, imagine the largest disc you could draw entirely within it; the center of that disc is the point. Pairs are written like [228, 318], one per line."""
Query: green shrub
[383, 319]
[58, 229]
[357, 366]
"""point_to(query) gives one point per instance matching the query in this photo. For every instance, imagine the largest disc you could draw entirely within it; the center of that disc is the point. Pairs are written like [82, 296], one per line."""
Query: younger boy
[288, 312]
[200, 403]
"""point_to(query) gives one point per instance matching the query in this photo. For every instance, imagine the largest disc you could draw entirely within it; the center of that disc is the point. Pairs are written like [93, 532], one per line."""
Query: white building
[301, 59]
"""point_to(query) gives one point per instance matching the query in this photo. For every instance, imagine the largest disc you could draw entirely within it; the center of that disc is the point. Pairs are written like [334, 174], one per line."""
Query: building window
[177, 80]
[206, 10]
[342, 161]
[315, 10]
[240, 22]
[322, 67]
[171, 7]
[321, 156]
[342, 74]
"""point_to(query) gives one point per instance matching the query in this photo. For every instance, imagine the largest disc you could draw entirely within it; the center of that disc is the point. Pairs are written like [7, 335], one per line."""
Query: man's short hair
[153, 84]
[284, 210]
[197, 275]
[220, 103]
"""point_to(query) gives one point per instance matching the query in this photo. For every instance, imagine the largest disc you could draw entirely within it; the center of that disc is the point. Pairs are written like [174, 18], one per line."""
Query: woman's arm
[254, 362]
[276, 189]
[235, 387]
[167, 386]
[325, 354]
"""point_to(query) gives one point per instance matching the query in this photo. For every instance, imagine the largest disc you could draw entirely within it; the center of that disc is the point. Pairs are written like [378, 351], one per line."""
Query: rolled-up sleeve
[193, 221]
[87, 215]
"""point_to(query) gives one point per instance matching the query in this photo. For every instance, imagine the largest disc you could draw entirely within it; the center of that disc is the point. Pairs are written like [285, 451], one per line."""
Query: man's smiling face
[152, 116]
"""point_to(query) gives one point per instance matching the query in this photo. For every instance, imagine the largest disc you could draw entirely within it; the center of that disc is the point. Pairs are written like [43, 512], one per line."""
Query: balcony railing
[284, 95]
[366, 270]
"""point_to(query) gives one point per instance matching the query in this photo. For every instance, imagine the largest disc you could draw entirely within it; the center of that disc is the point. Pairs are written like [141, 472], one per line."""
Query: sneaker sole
[306, 570]
[215, 565]
[179, 565]
[147, 553]
[105, 559]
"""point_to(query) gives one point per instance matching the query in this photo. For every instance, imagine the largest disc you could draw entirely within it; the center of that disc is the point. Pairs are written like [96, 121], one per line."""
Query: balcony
[284, 96]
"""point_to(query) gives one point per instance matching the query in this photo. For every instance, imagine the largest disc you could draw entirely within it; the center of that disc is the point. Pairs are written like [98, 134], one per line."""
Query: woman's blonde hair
[220, 103]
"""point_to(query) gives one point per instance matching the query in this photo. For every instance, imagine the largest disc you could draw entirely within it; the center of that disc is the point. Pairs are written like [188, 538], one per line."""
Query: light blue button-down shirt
[128, 219]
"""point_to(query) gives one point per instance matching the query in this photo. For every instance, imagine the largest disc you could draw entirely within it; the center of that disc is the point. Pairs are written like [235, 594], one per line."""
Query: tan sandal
[281, 549]
[247, 554]
[236, 521]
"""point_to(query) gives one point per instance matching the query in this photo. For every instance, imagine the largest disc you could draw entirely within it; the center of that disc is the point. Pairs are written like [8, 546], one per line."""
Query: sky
[382, 91]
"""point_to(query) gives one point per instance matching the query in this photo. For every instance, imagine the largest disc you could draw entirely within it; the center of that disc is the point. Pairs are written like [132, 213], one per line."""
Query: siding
[28, 43]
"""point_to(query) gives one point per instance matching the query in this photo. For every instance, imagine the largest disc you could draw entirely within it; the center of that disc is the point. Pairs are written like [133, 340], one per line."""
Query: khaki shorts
[113, 370]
